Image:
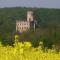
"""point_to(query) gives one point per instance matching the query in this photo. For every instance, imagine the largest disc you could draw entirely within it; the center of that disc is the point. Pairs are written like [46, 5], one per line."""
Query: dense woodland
[47, 29]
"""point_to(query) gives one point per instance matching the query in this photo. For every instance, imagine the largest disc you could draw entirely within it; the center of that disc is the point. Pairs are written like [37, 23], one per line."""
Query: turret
[30, 16]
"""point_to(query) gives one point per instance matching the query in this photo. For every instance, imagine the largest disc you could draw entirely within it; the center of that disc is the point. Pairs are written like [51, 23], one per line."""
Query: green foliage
[45, 17]
[48, 27]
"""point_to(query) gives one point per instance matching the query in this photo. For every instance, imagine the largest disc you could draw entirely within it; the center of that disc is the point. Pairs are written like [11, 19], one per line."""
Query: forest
[47, 29]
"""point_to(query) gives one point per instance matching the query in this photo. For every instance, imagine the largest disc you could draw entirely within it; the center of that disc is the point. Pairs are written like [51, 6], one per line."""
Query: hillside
[47, 19]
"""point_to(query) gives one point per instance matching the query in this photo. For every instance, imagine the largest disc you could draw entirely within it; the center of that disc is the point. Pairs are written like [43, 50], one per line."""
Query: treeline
[48, 27]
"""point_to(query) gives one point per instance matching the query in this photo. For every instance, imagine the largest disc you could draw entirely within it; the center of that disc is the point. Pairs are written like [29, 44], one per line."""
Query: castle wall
[22, 26]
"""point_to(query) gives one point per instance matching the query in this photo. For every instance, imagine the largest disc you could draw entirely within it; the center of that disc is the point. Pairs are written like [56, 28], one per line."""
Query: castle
[22, 26]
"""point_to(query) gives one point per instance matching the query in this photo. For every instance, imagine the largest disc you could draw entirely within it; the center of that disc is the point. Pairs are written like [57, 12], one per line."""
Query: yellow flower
[16, 38]
[27, 44]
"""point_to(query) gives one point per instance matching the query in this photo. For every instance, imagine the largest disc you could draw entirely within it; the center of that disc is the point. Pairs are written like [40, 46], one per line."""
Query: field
[25, 51]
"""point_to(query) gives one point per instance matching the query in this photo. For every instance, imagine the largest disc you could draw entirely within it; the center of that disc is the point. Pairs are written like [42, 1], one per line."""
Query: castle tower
[30, 16]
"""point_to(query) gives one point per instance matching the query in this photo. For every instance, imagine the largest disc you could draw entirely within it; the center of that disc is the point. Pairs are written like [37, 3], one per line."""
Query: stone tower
[30, 16]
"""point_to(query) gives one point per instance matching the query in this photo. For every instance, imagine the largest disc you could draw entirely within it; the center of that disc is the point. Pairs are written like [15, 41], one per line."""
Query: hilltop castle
[22, 26]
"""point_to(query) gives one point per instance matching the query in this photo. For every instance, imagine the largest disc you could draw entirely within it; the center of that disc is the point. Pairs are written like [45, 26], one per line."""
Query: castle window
[24, 27]
[29, 19]
[20, 28]
[31, 14]
[24, 23]
[20, 23]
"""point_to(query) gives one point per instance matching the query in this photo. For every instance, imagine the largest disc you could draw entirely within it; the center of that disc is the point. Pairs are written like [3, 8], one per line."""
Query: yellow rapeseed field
[25, 51]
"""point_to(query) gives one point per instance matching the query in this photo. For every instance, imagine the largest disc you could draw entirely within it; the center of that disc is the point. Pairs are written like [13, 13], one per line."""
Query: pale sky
[30, 3]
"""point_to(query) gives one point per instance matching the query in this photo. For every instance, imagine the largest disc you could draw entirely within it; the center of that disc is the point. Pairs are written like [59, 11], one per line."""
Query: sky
[30, 3]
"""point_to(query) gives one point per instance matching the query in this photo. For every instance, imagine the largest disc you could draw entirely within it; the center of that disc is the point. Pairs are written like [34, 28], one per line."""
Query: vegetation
[25, 51]
[48, 27]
